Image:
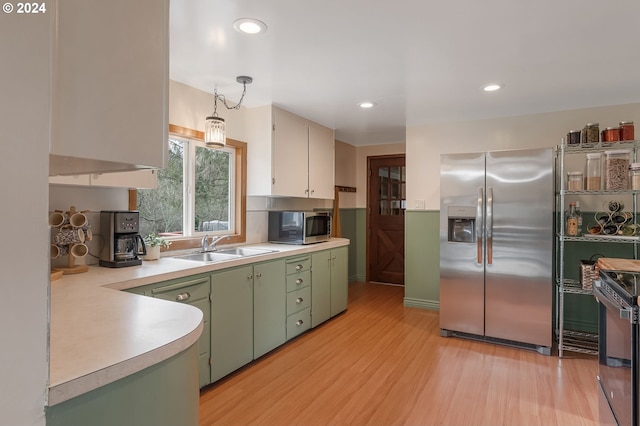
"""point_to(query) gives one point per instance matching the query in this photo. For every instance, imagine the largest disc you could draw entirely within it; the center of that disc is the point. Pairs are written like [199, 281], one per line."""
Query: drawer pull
[299, 322]
[183, 296]
[299, 281]
[299, 300]
[298, 267]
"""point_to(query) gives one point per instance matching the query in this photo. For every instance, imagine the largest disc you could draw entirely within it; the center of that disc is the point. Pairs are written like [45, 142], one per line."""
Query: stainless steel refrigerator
[496, 243]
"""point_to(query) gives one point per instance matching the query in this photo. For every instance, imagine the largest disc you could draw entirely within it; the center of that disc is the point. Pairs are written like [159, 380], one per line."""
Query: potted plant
[154, 242]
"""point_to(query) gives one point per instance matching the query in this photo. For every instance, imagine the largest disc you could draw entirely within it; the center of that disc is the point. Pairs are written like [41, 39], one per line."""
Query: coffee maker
[122, 241]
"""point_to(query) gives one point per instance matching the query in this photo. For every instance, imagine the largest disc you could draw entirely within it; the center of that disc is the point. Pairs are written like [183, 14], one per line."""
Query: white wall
[24, 170]
[426, 143]
[188, 107]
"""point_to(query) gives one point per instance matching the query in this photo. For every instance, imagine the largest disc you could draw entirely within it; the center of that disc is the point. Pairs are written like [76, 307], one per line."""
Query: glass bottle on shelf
[572, 221]
[579, 214]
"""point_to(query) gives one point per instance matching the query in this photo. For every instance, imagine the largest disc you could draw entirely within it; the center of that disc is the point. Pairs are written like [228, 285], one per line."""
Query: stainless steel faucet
[214, 240]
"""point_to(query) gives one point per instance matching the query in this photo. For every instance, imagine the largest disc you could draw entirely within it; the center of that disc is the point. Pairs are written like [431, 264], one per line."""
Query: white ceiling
[421, 61]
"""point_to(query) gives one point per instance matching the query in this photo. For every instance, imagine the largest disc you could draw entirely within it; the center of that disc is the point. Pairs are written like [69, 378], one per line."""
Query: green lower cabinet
[298, 280]
[195, 291]
[165, 394]
[329, 284]
[339, 280]
[231, 320]
[253, 309]
[269, 306]
[320, 287]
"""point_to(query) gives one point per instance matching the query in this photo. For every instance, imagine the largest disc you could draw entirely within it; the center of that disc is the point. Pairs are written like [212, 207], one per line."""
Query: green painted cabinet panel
[320, 287]
[165, 394]
[195, 291]
[231, 320]
[329, 284]
[269, 306]
[298, 323]
[339, 280]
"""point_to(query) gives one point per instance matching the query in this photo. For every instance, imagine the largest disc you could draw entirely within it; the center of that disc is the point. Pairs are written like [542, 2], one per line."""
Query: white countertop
[99, 335]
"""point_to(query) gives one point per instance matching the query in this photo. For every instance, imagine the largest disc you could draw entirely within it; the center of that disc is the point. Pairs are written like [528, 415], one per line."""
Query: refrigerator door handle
[489, 225]
[480, 224]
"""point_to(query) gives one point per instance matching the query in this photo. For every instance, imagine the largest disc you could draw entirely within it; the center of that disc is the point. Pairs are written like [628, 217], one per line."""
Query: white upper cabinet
[289, 156]
[110, 85]
[321, 161]
[290, 167]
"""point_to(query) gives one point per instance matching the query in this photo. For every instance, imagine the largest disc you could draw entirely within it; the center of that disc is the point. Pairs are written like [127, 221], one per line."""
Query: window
[201, 191]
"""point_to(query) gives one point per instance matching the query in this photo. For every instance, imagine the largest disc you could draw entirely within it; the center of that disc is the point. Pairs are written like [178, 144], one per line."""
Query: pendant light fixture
[214, 127]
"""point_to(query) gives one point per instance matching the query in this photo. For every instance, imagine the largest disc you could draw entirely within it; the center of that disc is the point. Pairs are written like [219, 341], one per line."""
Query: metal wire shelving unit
[572, 340]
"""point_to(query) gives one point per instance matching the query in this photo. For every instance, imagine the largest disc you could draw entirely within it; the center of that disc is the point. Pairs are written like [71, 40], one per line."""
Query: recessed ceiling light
[366, 104]
[492, 87]
[249, 26]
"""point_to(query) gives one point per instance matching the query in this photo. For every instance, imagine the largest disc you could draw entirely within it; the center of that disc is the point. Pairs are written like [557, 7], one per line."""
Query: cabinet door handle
[249, 277]
[182, 297]
[299, 300]
[312, 191]
[298, 267]
[259, 275]
[299, 281]
[299, 322]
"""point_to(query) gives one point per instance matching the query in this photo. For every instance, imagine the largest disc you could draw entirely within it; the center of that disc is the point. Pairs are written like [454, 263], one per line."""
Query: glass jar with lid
[575, 181]
[591, 134]
[634, 172]
[626, 131]
[611, 134]
[594, 171]
[616, 169]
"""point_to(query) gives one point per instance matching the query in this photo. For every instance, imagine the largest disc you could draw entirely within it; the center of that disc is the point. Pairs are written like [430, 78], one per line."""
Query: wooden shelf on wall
[345, 188]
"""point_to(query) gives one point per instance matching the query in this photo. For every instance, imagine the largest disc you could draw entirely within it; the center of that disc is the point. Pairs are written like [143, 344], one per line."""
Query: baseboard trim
[431, 305]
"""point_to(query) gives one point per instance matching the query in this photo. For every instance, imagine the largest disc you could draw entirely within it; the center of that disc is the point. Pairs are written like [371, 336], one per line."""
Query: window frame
[240, 199]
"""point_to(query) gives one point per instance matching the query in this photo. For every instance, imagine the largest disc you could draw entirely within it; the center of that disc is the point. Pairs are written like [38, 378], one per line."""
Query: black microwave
[299, 227]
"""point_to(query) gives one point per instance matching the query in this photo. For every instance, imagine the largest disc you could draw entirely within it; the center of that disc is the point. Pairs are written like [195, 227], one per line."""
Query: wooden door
[386, 207]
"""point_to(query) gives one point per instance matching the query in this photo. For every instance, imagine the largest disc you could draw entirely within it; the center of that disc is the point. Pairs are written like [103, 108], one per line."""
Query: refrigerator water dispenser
[462, 224]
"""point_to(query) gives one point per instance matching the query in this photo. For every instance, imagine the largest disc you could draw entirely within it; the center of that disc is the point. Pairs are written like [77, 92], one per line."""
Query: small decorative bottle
[572, 221]
[579, 214]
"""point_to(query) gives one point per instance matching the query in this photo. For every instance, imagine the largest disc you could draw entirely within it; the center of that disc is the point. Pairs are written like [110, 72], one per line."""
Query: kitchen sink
[244, 251]
[212, 256]
[222, 255]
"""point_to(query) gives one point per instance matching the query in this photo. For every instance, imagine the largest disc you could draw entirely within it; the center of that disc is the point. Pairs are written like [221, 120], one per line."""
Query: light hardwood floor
[380, 363]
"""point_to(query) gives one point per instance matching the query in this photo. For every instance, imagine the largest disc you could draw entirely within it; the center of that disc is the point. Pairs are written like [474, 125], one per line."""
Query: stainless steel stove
[617, 295]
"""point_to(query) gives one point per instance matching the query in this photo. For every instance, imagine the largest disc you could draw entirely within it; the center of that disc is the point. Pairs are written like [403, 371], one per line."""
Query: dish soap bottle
[572, 221]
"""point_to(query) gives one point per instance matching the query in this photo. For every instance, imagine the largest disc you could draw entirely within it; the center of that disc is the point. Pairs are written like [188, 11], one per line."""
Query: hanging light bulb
[215, 128]
[215, 134]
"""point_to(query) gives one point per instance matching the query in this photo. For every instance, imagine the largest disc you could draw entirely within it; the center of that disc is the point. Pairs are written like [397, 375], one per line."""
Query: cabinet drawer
[298, 323]
[298, 281]
[298, 265]
[183, 292]
[298, 300]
